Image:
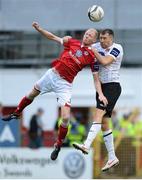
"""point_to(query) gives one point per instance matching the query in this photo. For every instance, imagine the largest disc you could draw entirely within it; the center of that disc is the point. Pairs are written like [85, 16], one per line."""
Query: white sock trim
[107, 132]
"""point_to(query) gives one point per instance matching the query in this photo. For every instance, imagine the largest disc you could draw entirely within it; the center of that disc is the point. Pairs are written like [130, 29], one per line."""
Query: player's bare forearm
[99, 89]
[104, 60]
[97, 84]
[46, 33]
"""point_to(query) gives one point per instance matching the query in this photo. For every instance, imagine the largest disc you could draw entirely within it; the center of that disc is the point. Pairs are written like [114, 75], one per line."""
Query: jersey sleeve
[67, 44]
[55, 62]
[94, 66]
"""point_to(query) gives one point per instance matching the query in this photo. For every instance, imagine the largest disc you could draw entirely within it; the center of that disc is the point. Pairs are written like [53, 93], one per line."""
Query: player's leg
[94, 130]
[109, 143]
[62, 131]
[25, 101]
[63, 128]
[63, 90]
[112, 92]
[41, 86]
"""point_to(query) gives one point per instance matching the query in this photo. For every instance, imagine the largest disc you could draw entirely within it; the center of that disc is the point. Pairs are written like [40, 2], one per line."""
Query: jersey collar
[88, 47]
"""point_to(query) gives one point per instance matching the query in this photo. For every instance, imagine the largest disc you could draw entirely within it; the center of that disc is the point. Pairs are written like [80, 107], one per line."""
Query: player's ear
[111, 37]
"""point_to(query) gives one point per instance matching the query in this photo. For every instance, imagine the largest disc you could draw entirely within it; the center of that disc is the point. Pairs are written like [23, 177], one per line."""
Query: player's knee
[65, 117]
[105, 126]
[65, 122]
[65, 113]
[33, 94]
[98, 115]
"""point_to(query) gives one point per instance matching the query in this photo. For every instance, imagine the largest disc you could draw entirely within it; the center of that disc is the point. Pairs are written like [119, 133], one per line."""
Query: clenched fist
[36, 25]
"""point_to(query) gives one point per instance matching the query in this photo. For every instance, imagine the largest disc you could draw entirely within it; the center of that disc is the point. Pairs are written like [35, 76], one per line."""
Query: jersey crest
[78, 53]
[86, 53]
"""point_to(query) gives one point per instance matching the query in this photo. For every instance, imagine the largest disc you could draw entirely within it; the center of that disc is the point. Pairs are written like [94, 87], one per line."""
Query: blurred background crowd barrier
[127, 130]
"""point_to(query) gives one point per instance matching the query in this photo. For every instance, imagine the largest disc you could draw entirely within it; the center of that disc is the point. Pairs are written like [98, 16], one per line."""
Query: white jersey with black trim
[110, 73]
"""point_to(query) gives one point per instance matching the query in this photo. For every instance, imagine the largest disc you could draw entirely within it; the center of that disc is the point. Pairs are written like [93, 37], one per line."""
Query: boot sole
[78, 148]
[110, 167]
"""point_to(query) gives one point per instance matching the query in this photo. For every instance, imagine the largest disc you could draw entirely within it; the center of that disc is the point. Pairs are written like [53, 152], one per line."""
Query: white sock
[95, 128]
[108, 139]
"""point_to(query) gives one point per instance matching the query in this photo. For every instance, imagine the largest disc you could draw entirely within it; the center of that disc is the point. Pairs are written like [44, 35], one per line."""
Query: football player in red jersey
[75, 56]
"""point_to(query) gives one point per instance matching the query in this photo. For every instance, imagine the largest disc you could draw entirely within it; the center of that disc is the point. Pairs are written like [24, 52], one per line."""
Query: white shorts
[52, 82]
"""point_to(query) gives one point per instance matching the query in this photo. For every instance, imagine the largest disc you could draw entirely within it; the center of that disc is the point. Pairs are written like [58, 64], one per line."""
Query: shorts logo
[78, 53]
[102, 105]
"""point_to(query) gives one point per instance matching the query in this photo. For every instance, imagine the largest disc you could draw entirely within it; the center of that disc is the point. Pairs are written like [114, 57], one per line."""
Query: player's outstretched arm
[46, 33]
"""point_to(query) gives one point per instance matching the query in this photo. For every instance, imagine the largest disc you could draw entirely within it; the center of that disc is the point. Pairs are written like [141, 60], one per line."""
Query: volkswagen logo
[74, 165]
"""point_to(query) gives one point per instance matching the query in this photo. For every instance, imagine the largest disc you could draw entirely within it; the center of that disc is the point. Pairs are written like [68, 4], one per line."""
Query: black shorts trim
[112, 92]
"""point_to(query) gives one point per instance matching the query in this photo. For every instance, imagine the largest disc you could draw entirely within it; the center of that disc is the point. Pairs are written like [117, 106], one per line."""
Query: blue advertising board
[10, 133]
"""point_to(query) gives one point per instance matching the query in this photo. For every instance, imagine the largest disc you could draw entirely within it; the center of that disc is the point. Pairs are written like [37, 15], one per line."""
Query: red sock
[23, 103]
[62, 132]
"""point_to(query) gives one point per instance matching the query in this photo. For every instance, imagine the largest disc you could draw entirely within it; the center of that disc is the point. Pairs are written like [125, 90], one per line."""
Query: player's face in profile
[89, 37]
[105, 40]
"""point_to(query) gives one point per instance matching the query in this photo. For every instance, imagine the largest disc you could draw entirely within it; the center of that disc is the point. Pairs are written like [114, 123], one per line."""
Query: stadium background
[24, 57]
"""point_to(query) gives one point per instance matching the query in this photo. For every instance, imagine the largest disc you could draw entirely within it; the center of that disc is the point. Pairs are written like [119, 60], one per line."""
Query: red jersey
[73, 59]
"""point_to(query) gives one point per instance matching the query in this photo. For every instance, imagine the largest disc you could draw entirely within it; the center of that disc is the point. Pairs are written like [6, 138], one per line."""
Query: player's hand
[36, 25]
[103, 99]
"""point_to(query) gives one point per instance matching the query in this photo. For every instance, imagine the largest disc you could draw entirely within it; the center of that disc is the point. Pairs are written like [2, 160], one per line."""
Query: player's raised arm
[46, 33]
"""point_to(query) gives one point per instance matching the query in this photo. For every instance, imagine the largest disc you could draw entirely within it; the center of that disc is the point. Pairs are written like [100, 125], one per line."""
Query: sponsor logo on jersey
[115, 52]
[74, 57]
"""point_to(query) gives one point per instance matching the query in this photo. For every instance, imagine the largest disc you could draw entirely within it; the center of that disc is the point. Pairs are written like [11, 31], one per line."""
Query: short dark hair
[109, 31]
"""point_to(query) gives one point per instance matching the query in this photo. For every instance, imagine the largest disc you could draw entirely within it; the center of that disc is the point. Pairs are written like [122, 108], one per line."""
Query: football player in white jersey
[109, 56]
